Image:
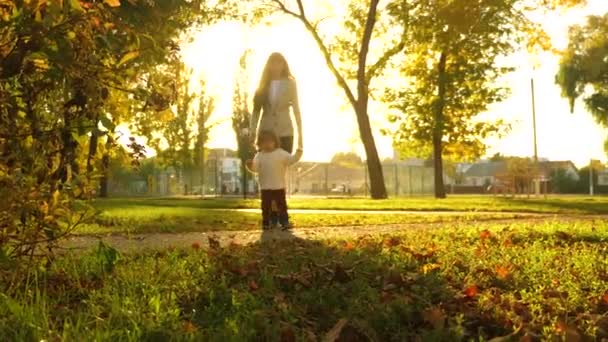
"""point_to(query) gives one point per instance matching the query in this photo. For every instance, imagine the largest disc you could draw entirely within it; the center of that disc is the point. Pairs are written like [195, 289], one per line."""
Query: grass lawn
[553, 204]
[542, 282]
[144, 219]
[151, 215]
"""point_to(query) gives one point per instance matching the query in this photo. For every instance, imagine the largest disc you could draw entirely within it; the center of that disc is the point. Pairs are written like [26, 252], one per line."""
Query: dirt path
[139, 242]
[389, 212]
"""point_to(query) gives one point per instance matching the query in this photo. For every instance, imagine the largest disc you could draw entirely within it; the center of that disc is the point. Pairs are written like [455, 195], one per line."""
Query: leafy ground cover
[552, 204]
[517, 281]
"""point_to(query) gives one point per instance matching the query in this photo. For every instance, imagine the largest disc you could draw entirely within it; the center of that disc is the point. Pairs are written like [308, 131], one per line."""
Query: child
[271, 164]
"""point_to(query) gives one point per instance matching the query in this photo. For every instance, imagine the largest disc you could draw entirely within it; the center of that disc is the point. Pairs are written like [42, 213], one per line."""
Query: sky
[329, 123]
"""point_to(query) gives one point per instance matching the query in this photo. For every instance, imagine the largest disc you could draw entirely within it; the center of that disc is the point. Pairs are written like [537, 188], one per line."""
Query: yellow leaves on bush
[427, 268]
[128, 57]
[112, 3]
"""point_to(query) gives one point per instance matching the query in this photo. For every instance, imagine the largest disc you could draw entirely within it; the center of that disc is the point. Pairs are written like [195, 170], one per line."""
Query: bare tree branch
[367, 36]
[284, 9]
[388, 54]
[301, 7]
[324, 50]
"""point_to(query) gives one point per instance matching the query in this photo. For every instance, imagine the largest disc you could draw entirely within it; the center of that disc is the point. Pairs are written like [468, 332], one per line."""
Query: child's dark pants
[278, 196]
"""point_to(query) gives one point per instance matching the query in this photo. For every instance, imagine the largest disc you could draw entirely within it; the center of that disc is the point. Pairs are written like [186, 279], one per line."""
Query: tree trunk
[374, 165]
[438, 128]
[105, 169]
[359, 103]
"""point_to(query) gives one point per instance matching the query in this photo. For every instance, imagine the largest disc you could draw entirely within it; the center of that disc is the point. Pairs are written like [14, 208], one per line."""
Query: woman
[276, 94]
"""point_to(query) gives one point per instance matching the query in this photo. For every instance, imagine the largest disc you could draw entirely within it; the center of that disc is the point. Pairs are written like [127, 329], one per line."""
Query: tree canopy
[583, 71]
[451, 75]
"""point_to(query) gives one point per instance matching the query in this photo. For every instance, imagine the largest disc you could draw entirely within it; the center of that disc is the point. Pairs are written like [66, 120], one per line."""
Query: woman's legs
[287, 143]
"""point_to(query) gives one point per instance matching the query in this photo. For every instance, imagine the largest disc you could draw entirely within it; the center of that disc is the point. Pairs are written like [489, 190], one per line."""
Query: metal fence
[304, 179]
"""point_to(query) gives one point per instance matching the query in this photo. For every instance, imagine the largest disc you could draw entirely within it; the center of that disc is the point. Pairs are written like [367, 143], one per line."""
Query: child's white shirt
[271, 167]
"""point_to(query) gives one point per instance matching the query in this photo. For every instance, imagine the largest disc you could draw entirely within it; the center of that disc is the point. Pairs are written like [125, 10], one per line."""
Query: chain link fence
[224, 178]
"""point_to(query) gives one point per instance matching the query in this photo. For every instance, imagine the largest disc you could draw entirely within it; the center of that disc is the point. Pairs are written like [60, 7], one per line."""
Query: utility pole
[536, 166]
[534, 120]
[591, 190]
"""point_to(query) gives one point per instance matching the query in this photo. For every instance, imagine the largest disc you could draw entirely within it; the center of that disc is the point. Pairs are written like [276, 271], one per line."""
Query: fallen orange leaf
[572, 335]
[253, 286]
[349, 246]
[392, 242]
[502, 272]
[471, 291]
[288, 335]
[485, 234]
[188, 327]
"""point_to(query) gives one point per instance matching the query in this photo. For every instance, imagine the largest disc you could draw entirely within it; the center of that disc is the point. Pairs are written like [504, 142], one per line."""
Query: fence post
[326, 179]
[422, 182]
[396, 180]
[409, 179]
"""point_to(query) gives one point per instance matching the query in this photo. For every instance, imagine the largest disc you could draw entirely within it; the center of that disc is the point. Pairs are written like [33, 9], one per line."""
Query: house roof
[556, 165]
[488, 169]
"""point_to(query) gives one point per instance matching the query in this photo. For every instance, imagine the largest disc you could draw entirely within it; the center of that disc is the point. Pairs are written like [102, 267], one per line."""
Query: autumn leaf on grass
[196, 246]
[253, 286]
[435, 317]
[471, 291]
[188, 327]
[572, 334]
[340, 275]
[392, 242]
[563, 236]
[334, 334]
[485, 234]
[214, 242]
[503, 272]
[349, 246]
[288, 335]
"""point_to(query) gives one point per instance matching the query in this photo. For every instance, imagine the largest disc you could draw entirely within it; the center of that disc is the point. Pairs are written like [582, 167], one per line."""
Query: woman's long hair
[261, 94]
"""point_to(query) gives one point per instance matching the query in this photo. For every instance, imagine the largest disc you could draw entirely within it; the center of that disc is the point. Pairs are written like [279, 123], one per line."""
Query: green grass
[152, 215]
[140, 220]
[452, 284]
[553, 204]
